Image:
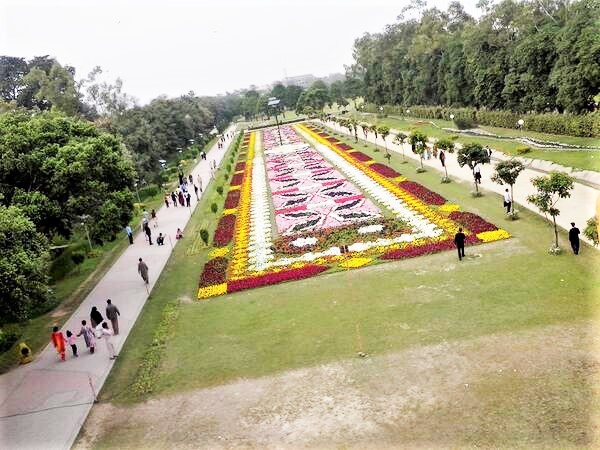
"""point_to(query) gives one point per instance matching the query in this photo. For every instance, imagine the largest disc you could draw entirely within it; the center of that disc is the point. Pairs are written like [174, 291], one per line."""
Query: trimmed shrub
[523, 150]
[204, 236]
[464, 123]
[220, 190]
[214, 208]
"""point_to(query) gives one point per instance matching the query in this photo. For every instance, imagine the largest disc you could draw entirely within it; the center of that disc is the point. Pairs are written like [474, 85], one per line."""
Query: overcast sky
[174, 46]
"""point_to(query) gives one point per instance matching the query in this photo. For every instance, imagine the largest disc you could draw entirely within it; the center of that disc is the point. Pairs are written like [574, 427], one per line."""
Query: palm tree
[384, 131]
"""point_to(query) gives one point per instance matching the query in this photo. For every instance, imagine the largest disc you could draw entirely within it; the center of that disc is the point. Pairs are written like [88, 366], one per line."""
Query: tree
[12, 70]
[292, 94]
[354, 128]
[401, 139]
[365, 129]
[447, 145]
[418, 141]
[23, 266]
[56, 169]
[472, 154]
[550, 189]
[384, 132]
[507, 172]
[591, 230]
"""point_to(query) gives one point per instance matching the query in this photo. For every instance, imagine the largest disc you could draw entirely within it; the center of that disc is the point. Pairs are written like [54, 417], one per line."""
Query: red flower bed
[332, 139]
[214, 272]
[275, 277]
[240, 166]
[422, 193]
[224, 231]
[433, 247]
[323, 134]
[384, 170]
[360, 156]
[344, 146]
[472, 222]
[232, 200]
[237, 179]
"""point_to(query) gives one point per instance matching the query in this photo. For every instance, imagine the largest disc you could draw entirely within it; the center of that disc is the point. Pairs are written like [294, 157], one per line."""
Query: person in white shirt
[507, 200]
[477, 173]
[107, 334]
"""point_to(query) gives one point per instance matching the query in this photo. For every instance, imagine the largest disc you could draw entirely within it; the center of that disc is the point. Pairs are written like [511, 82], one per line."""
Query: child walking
[72, 341]
[107, 335]
[58, 340]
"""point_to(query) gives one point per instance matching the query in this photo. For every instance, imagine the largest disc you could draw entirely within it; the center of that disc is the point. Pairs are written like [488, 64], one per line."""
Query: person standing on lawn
[459, 241]
[574, 238]
[112, 314]
[507, 201]
[129, 232]
[58, 340]
[143, 270]
[88, 336]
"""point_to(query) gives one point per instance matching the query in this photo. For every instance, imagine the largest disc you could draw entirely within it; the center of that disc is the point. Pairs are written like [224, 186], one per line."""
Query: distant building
[303, 81]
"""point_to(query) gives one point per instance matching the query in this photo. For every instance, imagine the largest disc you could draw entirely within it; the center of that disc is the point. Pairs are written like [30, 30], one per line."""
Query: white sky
[174, 46]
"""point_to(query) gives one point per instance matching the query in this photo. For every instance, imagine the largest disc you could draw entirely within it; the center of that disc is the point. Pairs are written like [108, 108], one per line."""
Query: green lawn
[580, 159]
[502, 287]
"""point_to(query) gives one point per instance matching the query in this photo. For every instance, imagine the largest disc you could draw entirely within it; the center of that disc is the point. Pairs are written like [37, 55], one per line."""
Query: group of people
[97, 329]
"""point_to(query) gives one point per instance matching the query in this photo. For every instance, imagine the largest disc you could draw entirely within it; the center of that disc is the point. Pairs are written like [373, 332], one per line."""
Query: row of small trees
[550, 189]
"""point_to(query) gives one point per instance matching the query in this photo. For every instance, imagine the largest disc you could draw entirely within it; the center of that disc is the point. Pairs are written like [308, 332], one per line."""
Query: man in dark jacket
[459, 241]
[574, 238]
[112, 314]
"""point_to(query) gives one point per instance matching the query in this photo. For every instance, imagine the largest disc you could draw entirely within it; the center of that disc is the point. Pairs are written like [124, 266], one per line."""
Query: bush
[464, 123]
[220, 190]
[204, 236]
[7, 339]
[214, 208]
[77, 257]
[523, 150]
[591, 230]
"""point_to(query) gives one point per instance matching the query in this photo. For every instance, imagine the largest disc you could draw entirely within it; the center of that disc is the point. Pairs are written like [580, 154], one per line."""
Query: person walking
[129, 232]
[148, 233]
[107, 334]
[88, 336]
[191, 178]
[181, 199]
[72, 341]
[95, 317]
[443, 158]
[174, 199]
[167, 200]
[58, 340]
[459, 241]
[143, 270]
[200, 183]
[507, 201]
[574, 238]
[188, 200]
[196, 192]
[112, 314]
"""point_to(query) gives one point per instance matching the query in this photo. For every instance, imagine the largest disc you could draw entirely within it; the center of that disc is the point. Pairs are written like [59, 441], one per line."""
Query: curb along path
[578, 208]
[45, 403]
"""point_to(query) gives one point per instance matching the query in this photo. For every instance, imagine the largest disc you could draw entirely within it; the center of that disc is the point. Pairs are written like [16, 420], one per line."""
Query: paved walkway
[44, 404]
[578, 208]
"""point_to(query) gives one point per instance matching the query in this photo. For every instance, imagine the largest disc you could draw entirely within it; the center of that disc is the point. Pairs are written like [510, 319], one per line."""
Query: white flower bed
[303, 242]
[370, 229]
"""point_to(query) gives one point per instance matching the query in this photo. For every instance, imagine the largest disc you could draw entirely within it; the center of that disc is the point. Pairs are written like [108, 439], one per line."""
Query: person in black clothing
[148, 233]
[95, 317]
[459, 241]
[188, 199]
[574, 238]
[174, 198]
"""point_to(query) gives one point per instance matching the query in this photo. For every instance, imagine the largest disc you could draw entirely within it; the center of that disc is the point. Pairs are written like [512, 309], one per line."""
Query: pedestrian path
[44, 404]
[578, 208]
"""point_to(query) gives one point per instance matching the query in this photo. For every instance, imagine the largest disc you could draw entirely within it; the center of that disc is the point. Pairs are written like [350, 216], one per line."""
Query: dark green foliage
[148, 192]
[77, 257]
[214, 208]
[23, 266]
[220, 190]
[591, 230]
[204, 235]
[464, 123]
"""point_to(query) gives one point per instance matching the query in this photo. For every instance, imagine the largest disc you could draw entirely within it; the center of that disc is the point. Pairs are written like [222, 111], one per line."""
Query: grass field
[580, 159]
[506, 300]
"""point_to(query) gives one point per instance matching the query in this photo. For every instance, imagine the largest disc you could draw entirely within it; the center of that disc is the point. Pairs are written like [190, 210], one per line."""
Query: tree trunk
[446, 170]
[512, 199]
[555, 231]
[421, 158]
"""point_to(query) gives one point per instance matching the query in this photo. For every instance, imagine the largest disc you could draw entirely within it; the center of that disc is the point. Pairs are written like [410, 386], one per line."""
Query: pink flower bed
[276, 277]
[472, 222]
[237, 179]
[232, 200]
[422, 193]
[344, 146]
[433, 247]
[360, 156]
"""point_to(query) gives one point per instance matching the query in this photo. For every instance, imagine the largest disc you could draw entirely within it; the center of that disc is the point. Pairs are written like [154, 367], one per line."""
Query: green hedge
[585, 125]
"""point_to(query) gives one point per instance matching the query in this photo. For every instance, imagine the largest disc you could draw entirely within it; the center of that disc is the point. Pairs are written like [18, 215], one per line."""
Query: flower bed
[224, 231]
[422, 193]
[472, 222]
[326, 201]
[384, 170]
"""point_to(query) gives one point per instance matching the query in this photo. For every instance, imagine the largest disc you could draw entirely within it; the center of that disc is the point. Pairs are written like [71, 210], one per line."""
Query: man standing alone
[459, 241]
[507, 201]
[143, 270]
[112, 314]
[574, 238]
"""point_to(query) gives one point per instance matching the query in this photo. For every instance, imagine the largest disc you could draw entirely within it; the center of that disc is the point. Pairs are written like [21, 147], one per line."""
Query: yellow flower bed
[491, 236]
[229, 211]
[353, 263]
[212, 291]
[220, 251]
[234, 188]
[449, 207]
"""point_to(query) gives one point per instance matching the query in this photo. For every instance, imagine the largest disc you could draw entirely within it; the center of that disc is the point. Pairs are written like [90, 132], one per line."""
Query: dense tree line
[522, 56]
